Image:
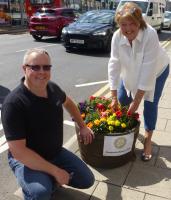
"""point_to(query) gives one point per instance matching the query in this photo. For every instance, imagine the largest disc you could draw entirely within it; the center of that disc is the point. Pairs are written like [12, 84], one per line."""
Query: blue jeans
[150, 108]
[37, 185]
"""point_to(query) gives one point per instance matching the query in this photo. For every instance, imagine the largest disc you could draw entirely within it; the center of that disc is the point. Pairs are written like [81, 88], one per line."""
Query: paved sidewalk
[13, 29]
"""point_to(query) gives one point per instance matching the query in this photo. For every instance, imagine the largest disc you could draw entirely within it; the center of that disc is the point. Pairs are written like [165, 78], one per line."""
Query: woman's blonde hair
[131, 11]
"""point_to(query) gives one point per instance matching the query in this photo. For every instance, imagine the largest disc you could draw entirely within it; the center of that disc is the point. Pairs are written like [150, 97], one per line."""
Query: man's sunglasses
[38, 67]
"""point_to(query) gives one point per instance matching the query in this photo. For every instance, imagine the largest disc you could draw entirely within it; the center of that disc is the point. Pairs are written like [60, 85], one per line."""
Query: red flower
[92, 97]
[100, 106]
[136, 115]
[118, 113]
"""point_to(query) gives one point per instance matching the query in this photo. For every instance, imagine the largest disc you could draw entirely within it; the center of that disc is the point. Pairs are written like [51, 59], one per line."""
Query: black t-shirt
[38, 120]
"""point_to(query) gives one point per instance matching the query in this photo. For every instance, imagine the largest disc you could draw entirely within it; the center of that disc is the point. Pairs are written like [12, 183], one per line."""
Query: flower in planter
[99, 116]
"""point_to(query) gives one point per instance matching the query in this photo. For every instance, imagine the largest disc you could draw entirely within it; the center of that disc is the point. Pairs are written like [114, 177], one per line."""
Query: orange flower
[90, 125]
[83, 115]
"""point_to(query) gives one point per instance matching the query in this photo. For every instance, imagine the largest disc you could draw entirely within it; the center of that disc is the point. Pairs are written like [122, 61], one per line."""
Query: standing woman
[137, 69]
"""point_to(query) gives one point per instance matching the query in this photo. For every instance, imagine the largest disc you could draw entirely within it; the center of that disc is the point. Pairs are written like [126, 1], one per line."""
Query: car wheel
[59, 36]
[68, 49]
[37, 37]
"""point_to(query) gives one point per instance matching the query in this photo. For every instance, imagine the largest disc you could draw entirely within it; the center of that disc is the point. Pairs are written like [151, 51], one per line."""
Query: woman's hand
[134, 106]
[86, 135]
[114, 105]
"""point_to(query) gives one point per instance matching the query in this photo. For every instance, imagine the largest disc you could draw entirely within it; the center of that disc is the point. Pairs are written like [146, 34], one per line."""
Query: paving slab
[151, 180]
[152, 197]
[115, 176]
[68, 193]
[110, 192]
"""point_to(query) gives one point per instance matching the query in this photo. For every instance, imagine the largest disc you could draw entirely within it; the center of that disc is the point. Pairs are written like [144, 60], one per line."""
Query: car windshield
[41, 2]
[167, 15]
[143, 5]
[97, 17]
[45, 12]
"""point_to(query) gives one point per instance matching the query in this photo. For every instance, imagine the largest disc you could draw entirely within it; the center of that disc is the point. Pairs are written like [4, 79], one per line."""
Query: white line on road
[92, 83]
[1, 127]
[50, 45]
[4, 147]
[2, 140]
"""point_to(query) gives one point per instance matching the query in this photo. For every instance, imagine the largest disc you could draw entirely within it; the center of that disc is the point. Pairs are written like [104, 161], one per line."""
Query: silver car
[167, 20]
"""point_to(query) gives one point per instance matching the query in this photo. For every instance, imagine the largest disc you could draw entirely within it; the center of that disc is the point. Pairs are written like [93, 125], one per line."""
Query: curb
[13, 30]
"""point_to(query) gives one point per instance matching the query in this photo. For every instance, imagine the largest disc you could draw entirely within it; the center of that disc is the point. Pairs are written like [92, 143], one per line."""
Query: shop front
[12, 12]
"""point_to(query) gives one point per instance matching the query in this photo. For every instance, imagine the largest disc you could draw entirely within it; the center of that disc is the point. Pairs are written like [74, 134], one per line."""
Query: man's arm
[34, 161]
[86, 135]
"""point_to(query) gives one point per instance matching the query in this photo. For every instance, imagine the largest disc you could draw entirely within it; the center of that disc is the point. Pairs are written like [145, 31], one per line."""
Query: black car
[93, 30]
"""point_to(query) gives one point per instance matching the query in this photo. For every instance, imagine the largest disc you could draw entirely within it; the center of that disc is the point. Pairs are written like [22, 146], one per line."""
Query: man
[32, 118]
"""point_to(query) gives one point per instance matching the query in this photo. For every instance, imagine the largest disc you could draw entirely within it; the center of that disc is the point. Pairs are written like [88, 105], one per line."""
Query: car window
[167, 15]
[67, 13]
[45, 12]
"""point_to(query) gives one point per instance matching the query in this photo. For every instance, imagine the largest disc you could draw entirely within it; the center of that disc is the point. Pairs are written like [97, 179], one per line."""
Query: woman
[137, 69]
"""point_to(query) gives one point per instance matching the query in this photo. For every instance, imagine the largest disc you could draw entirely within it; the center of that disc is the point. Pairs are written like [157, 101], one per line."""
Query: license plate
[76, 41]
[39, 27]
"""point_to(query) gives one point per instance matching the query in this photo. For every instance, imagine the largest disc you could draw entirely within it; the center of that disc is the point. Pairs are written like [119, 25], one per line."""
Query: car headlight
[64, 30]
[100, 32]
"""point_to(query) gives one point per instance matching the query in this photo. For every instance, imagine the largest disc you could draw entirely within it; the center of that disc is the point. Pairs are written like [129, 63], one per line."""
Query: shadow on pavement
[3, 93]
[63, 193]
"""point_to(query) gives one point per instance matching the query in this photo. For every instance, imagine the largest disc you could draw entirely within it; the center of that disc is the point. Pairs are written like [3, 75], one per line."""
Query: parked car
[50, 21]
[93, 30]
[167, 20]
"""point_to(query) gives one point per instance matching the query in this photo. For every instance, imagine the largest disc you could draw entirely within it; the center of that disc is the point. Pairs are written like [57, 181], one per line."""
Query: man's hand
[62, 177]
[86, 135]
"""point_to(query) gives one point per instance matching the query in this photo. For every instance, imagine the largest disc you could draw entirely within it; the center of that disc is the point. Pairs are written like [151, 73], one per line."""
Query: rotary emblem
[120, 142]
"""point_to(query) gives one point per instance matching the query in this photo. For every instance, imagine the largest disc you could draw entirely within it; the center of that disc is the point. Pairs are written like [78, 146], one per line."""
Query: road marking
[50, 45]
[70, 123]
[2, 140]
[1, 127]
[101, 90]
[165, 43]
[4, 147]
[92, 83]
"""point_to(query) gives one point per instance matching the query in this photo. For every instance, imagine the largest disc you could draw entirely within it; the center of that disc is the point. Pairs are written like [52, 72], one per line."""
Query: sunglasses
[37, 68]
[124, 11]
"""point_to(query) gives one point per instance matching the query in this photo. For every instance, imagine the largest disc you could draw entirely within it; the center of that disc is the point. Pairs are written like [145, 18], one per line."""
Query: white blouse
[138, 66]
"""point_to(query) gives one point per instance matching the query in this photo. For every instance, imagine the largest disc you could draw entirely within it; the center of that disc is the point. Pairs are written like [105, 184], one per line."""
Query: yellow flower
[123, 125]
[111, 128]
[117, 123]
[114, 115]
[103, 119]
[97, 122]
[109, 122]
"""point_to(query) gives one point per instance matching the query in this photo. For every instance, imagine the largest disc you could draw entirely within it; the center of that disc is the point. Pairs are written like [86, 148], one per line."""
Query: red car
[50, 21]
